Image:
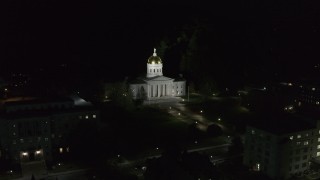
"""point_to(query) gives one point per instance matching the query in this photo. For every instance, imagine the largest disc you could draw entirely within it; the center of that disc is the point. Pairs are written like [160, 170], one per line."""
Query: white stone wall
[154, 70]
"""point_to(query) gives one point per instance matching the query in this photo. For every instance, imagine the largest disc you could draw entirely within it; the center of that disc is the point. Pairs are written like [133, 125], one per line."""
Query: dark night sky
[107, 38]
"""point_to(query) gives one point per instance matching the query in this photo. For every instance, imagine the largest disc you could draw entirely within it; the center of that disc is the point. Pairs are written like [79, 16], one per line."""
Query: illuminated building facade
[282, 148]
[308, 95]
[38, 130]
[156, 86]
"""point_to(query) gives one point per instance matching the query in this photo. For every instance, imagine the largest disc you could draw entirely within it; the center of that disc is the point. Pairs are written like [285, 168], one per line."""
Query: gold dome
[154, 59]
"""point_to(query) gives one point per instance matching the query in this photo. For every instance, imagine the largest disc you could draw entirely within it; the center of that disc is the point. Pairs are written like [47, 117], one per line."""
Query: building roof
[158, 78]
[45, 112]
[282, 123]
[31, 100]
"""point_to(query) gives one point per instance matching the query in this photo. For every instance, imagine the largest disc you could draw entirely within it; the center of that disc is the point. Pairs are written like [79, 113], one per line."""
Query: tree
[121, 96]
[236, 145]
[214, 130]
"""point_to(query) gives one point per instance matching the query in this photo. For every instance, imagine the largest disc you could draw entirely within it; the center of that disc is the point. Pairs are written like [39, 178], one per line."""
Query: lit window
[14, 125]
[318, 147]
[21, 140]
[253, 132]
[67, 149]
[94, 116]
[317, 103]
[14, 133]
[24, 154]
[87, 117]
[307, 134]
[305, 143]
[299, 136]
[258, 166]
[319, 139]
[38, 152]
[318, 154]
[313, 89]
[291, 137]
[61, 150]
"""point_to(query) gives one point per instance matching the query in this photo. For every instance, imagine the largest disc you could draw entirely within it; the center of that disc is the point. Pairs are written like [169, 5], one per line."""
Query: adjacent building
[281, 146]
[155, 86]
[37, 129]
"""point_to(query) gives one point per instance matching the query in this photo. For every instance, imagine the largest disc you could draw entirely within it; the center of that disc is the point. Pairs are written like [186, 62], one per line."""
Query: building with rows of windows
[308, 94]
[282, 146]
[37, 129]
[155, 86]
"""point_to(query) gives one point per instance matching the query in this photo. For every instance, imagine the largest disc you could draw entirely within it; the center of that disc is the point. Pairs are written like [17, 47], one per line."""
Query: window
[307, 134]
[60, 150]
[21, 140]
[297, 151]
[304, 157]
[296, 166]
[305, 143]
[318, 153]
[87, 117]
[304, 164]
[46, 139]
[319, 139]
[94, 116]
[318, 147]
[80, 117]
[291, 137]
[298, 142]
[299, 136]
[253, 132]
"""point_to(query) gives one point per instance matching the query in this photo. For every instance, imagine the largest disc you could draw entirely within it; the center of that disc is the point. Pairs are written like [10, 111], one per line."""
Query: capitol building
[155, 86]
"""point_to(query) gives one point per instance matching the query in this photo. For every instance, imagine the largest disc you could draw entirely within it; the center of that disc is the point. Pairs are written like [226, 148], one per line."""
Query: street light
[201, 111]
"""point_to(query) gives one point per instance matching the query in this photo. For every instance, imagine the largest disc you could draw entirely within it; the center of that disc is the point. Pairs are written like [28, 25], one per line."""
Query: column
[163, 90]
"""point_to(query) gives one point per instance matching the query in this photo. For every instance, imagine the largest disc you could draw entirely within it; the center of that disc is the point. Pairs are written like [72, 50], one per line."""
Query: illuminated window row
[87, 116]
